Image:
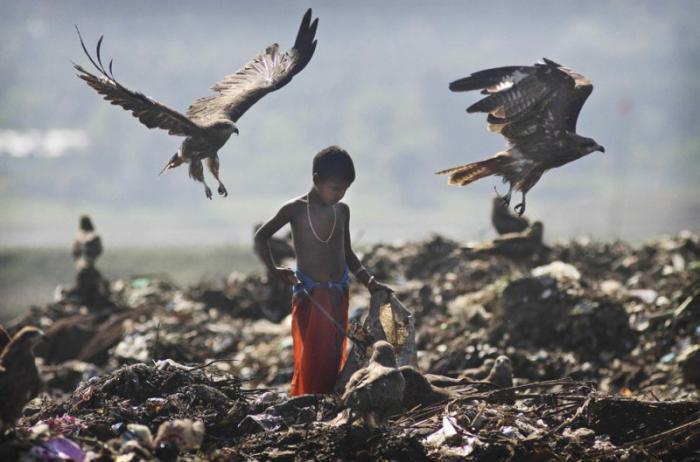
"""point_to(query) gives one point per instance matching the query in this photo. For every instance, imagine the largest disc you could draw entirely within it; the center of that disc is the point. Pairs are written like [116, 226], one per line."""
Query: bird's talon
[207, 191]
[519, 209]
[222, 191]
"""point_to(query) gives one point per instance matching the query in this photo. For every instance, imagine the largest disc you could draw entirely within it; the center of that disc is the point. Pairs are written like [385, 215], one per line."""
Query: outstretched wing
[574, 98]
[523, 100]
[266, 73]
[151, 113]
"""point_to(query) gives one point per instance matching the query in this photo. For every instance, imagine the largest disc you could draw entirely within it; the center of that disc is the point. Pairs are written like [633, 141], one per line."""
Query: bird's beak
[600, 148]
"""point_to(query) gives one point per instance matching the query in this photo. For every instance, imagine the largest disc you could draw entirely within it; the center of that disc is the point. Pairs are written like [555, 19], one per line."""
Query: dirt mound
[602, 338]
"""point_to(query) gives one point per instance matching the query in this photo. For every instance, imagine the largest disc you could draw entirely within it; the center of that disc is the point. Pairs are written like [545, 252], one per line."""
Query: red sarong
[319, 346]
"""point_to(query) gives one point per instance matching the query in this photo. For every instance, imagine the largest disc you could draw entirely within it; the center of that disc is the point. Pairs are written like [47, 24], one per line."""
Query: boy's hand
[287, 275]
[376, 286]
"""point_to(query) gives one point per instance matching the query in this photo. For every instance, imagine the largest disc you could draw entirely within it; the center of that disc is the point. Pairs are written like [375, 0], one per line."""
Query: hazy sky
[377, 86]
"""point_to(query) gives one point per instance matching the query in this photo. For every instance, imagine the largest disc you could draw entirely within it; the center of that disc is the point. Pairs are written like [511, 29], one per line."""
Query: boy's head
[333, 173]
[333, 162]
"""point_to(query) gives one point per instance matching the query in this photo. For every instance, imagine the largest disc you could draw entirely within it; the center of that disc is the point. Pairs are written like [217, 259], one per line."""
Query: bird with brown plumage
[501, 373]
[466, 377]
[19, 377]
[536, 109]
[505, 221]
[209, 121]
[501, 376]
[374, 393]
[419, 391]
[522, 244]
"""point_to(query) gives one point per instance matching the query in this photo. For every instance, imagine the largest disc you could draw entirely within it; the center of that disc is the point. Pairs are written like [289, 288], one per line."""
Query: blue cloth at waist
[309, 284]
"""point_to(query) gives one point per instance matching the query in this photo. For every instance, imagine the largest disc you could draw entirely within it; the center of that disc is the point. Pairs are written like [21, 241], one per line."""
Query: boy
[321, 234]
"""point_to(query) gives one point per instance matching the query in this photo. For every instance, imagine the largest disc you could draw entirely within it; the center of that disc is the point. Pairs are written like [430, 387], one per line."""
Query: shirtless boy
[321, 234]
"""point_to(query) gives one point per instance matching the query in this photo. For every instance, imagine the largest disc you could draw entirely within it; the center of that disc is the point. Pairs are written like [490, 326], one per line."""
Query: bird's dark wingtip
[464, 84]
[550, 62]
[454, 86]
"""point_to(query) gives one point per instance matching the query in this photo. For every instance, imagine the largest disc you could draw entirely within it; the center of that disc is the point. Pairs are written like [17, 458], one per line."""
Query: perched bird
[514, 244]
[535, 108]
[501, 373]
[87, 245]
[466, 377]
[501, 376]
[4, 338]
[210, 121]
[505, 221]
[19, 377]
[374, 393]
[419, 390]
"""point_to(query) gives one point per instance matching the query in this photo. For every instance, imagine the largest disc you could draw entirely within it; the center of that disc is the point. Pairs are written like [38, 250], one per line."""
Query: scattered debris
[602, 342]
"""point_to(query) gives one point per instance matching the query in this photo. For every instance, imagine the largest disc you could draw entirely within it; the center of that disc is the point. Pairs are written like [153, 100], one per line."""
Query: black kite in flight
[210, 121]
[535, 108]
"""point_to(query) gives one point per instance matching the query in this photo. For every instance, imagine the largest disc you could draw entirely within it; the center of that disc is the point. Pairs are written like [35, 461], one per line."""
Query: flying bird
[19, 377]
[374, 393]
[209, 121]
[535, 108]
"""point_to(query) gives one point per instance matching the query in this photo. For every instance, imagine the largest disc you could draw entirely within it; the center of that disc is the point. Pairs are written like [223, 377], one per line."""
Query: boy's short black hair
[334, 162]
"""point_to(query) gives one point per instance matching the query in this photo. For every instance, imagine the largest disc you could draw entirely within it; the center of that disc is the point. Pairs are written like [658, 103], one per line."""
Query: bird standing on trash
[504, 221]
[501, 376]
[501, 373]
[521, 244]
[19, 377]
[374, 393]
[419, 391]
[535, 108]
[210, 121]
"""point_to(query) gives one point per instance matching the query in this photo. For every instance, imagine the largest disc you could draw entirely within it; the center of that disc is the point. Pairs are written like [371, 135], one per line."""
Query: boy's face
[330, 190]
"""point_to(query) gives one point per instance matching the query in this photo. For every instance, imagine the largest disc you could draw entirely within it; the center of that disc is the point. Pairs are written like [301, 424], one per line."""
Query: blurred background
[377, 86]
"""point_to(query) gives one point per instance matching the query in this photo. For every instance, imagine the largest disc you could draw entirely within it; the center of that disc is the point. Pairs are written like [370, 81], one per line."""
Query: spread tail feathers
[465, 174]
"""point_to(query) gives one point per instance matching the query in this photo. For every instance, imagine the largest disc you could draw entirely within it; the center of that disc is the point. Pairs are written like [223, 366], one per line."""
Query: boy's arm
[262, 246]
[354, 264]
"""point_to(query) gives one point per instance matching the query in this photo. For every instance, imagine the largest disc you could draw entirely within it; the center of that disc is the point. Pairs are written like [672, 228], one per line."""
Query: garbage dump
[601, 339]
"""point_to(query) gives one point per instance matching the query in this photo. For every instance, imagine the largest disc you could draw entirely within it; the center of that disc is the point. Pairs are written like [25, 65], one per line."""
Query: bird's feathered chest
[547, 147]
[209, 142]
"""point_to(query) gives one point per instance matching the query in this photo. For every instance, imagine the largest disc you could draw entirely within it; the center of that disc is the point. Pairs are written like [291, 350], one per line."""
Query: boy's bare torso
[319, 260]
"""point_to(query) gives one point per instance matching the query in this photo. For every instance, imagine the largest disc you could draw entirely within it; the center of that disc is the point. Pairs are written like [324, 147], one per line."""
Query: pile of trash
[602, 339]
